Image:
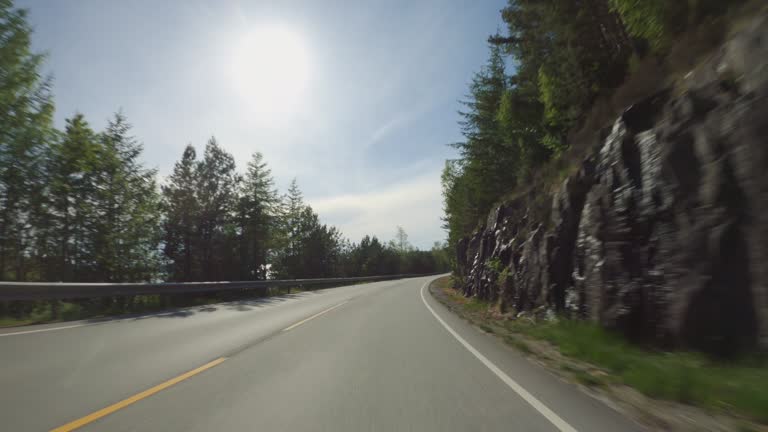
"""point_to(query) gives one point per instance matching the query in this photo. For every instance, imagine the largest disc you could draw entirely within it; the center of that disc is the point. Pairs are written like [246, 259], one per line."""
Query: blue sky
[365, 138]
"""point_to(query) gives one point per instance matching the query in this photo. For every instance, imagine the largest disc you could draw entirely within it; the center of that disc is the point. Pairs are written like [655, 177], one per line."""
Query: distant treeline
[565, 54]
[78, 205]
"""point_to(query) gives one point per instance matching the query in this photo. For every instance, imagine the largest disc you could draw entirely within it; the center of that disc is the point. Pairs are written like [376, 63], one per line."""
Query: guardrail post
[54, 310]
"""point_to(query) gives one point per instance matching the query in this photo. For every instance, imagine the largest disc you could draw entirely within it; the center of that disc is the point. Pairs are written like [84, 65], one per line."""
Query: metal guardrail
[68, 290]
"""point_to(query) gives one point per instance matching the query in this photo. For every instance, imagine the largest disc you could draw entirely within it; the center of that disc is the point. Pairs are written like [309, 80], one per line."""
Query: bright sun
[271, 70]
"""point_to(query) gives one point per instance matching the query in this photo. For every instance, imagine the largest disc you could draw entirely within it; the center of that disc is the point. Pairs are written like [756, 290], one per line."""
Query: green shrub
[554, 143]
[686, 377]
[653, 20]
[503, 276]
[549, 97]
[494, 264]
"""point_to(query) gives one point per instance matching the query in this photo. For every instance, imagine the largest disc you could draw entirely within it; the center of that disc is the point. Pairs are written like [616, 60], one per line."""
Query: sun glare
[271, 69]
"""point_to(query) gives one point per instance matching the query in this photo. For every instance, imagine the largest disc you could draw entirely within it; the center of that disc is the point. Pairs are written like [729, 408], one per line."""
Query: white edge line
[116, 320]
[128, 319]
[94, 323]
[293, 326]
[46, 329]
[550, 415]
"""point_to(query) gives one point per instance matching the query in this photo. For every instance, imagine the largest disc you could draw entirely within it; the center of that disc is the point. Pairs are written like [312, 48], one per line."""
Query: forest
[79, 204]
[556, 59]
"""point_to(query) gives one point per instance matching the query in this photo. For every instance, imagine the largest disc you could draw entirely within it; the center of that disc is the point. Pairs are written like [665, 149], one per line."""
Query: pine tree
[181, 209]
[217, 183]
[73, 188]
[127, 230]
[293, 206]
[323, 248]
[375, 258]
[257, 207]
[26, 110]
[291, 229]
[488, 165]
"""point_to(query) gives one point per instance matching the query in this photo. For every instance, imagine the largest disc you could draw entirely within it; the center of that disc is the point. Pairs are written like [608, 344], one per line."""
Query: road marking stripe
[90, 324]
[105, 321]
[44, 330]
[94, 323]
[550, 415]
[116, 320]
[135, 398]
[293, 326]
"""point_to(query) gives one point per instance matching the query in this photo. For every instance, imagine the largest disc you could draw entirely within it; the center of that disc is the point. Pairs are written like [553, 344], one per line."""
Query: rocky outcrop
[662, 233]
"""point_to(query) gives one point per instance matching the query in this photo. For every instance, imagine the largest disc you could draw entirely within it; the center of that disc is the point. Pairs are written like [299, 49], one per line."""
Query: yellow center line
[313, 316]
[90, 418]
[135, 398]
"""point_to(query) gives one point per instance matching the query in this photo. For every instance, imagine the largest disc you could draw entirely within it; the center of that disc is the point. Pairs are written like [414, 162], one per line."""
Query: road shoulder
[579, 409]
[652, 414]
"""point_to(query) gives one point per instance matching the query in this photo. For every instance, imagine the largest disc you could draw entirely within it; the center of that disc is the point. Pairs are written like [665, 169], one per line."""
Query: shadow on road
[243, 305]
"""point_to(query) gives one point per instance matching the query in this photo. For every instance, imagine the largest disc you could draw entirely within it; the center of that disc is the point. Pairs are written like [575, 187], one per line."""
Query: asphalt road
[382, 356]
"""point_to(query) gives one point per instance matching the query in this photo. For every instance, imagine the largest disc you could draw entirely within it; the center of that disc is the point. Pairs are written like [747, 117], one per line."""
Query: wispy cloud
[415, 205]
[387, 128]
[398, 121]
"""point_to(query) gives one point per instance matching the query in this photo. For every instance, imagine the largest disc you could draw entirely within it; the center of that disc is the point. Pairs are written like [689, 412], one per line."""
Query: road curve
[382, 356]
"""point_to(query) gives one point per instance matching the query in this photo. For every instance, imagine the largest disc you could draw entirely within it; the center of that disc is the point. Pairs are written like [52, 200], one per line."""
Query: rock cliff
[662, 233]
